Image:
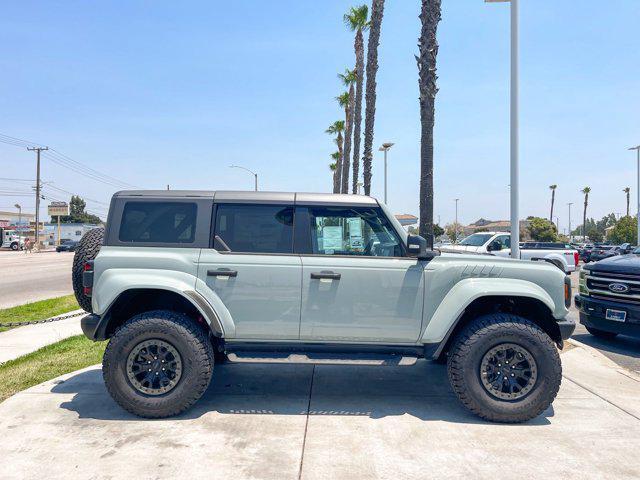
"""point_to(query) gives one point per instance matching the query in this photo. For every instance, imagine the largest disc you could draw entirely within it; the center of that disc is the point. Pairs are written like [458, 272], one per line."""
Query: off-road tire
[596, 332]
[87, 249]
[188, 338]
[481, 335]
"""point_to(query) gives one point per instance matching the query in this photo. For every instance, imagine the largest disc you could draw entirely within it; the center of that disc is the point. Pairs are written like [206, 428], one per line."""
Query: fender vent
[481, 271]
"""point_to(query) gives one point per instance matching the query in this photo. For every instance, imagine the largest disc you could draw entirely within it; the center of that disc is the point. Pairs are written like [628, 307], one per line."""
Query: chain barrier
[46, 320]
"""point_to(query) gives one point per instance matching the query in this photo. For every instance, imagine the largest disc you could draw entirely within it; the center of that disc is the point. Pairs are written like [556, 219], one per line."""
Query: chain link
[46, 320]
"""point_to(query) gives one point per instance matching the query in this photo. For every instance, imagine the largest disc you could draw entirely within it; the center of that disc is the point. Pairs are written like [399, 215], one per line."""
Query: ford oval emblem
[618, 287]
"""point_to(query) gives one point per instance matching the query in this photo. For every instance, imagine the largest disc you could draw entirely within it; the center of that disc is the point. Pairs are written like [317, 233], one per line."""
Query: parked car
[585, 252]
[499, 244]
[603, 251]
[609, 296]
[67, 246]
[178, 279]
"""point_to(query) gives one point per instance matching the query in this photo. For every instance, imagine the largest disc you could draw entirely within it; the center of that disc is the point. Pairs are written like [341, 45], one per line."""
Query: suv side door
[504, 240]
[253, 270]
[358, 285]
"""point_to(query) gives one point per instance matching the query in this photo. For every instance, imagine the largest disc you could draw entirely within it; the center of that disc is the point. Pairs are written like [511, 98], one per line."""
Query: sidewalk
[290, 421]
[22, 340]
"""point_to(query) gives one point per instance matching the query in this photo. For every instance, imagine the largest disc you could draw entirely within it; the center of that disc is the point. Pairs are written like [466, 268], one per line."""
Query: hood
[626, 264]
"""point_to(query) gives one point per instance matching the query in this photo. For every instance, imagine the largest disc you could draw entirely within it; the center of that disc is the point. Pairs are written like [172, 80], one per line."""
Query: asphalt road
[32, 277]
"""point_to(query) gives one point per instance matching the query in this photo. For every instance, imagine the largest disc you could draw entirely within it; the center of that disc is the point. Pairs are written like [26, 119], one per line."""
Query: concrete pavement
[290, 421]
[22, 340]
[35, 276]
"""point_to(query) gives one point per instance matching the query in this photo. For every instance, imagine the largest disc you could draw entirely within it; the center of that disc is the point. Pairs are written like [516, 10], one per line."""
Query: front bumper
[566, 328]
[593, 314]
[90, 326]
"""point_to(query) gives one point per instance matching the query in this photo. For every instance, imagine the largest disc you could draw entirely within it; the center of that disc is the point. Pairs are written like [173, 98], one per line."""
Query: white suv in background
[499, 243]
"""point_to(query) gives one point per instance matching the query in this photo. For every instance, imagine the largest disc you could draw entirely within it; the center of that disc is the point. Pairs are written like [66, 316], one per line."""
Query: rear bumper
[593, 314]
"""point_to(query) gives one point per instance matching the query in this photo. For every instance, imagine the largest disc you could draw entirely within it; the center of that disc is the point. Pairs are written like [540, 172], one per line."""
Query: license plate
[616, 315]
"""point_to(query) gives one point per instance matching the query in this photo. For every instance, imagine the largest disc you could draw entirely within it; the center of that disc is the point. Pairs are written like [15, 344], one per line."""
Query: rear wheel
[596, 332]
[504, 368]
[158, 364]
[87, 249]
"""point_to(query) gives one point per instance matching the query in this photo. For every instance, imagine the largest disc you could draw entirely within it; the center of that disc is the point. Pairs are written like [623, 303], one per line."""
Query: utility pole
[19, 207]
[570, 220]
[37, 229]
[455, 225]
[637, 149]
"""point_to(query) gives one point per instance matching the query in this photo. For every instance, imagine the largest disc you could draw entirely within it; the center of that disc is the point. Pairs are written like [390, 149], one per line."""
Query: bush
[542, 230]
[625, 231]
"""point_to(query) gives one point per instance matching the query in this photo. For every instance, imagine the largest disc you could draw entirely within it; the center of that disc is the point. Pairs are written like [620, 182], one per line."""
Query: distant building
[68, 231]
[12, 219]
[406, 219]
[484, 225]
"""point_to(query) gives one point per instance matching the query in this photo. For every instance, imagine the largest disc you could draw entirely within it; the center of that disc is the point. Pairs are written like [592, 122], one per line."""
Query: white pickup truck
[11, 239]
[499, 244]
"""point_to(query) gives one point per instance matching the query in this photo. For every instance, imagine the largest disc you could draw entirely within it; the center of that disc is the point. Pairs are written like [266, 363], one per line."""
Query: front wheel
[14, 246]
[158, 364]
[596, 332]
[504, 368]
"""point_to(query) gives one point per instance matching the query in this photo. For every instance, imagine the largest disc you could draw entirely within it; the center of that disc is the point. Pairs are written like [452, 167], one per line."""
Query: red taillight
[88, 266]
[576, 257]
[87, 291]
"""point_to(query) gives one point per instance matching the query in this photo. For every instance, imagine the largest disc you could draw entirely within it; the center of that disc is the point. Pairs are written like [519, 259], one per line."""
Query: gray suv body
[182, 278]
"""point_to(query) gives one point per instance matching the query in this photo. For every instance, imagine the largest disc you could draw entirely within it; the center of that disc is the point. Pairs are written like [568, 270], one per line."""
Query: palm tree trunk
[553, 199]
[584, 217]
[357, 113]
[430, 15]
[377, 11]
[339, 142]
[627, 204]
[348, 126]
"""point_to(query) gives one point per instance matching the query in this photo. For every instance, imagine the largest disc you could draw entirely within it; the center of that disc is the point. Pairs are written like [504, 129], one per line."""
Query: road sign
[56, 209]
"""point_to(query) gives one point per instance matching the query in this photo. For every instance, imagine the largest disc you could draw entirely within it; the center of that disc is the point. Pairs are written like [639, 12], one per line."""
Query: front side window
[158, 222]
[476, 240]
[504, 241]
[254, 229]
[353, 231]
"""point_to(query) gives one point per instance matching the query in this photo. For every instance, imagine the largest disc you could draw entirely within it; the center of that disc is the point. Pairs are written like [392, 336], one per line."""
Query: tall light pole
[455, 225]
[385, 148]
[255, 175]
[19, 207]
[570, 220]
[637, 149]
[38, 150]
[515, 222]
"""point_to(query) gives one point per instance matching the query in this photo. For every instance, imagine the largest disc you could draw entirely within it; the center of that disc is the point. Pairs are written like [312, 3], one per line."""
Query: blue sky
[157, 93]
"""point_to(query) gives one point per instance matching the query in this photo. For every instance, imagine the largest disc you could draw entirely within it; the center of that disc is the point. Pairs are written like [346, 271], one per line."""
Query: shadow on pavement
[622, 344]
[421, 390]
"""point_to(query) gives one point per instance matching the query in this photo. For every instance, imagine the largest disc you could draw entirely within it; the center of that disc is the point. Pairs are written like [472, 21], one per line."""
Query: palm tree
[627, 190]
[336, 128]
[553, 200]
[377, 11]
[586, 191]
[346, 101]
[356, 20]
[430, 15]
[335, 156]
[333, 166]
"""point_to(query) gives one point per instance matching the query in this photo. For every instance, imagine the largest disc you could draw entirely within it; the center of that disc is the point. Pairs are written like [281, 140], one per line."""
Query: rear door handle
[222, 273]
[325, 275]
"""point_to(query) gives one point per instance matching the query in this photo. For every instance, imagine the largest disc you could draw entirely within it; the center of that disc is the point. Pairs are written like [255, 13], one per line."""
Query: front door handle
[222, 273]
[325, 275]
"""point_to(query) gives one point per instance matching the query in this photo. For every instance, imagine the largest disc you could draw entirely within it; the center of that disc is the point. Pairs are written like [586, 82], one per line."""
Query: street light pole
[255, 175]
[637, 149]
[385, 148]
[455, 225]
[19, 207]
[515, 222]
[570, 236]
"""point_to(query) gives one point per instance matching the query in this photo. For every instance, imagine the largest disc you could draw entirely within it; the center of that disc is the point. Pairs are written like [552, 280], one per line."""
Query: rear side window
[254, 228]
[158, 222]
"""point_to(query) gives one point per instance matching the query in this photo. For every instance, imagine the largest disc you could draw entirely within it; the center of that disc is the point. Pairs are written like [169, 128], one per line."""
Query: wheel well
[135, 301]
[526, 307]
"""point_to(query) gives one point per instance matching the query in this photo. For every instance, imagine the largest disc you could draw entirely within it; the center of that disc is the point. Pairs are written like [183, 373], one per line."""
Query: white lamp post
[515, 222]
[385, 148]
[255, 175]
[637, 149]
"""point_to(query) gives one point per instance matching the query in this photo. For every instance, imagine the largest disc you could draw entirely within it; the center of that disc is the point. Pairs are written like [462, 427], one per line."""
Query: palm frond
[343, 99]
[335, 155]
[357, 18]
[349, 77]
[335, 127]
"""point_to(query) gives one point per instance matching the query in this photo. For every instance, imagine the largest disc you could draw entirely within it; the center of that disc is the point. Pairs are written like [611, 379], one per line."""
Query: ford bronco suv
[179, 279]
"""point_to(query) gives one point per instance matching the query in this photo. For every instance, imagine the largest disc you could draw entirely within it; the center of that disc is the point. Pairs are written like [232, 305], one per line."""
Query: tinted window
[158, 222]
[504, 241]
[254, 228]
[353, 231]
[476, 240]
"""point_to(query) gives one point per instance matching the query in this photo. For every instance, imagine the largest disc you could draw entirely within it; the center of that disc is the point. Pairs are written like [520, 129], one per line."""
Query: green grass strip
[48, 362]
[38, 310]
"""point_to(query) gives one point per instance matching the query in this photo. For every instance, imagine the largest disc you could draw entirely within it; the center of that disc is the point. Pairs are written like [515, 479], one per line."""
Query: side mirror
[417, 247]
[494, 246]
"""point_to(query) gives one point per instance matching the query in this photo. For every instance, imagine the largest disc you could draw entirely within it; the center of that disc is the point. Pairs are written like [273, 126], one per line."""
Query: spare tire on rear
[87, 250]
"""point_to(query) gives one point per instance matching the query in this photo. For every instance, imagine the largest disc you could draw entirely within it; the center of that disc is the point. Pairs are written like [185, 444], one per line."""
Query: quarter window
[254, 228]
[353, 231]
[158, 222]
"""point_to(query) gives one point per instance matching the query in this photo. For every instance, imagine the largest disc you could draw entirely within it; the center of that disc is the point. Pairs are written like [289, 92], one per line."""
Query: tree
[595, 235]
[346, 101]
[77, 213]
[356, 20]
[430, 16]
[586, 191]
[625, 231]
[553, 199]
[334, 168]
[336, 128]
[453, 231]
[377, 11]
[627, 190]
[438, 231]
[542, 230]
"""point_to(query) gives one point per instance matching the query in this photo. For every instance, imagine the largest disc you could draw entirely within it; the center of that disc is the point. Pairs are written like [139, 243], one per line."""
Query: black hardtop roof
[228, 196]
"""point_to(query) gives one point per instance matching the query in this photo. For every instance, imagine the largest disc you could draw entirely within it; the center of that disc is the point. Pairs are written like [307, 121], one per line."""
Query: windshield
[476, 240]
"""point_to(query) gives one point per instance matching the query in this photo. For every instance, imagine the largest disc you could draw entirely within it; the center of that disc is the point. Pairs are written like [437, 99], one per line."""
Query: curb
[604, 358]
